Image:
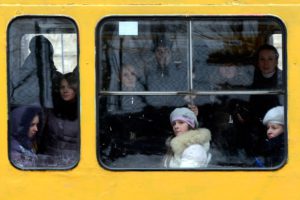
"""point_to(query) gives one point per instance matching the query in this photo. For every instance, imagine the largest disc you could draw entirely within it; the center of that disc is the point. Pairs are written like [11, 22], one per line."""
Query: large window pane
[225, 74]
[43, 93]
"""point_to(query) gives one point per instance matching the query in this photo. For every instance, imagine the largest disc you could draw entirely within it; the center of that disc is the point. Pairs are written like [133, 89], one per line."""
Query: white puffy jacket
[190, 150]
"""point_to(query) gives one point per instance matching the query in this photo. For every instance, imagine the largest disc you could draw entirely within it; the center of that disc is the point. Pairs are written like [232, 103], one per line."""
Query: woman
[189, 146]
[62, 128]
[266, 76]
[24, 129]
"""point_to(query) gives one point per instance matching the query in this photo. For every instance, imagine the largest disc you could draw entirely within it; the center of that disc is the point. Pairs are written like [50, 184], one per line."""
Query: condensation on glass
[231, 70]
[43, 94]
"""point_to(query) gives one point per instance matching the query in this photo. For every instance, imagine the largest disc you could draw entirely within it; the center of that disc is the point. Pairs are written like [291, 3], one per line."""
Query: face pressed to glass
[128, 76]
[179, 127]
[33, 129]
[274, 130]
[66, 91]
[267, 61]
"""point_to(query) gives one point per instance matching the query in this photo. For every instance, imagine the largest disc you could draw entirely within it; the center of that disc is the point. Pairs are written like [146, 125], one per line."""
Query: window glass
[43, 93]
[65, 58]
[191, 93]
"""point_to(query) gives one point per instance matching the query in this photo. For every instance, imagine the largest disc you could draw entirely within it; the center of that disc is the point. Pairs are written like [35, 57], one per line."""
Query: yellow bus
[149, 99]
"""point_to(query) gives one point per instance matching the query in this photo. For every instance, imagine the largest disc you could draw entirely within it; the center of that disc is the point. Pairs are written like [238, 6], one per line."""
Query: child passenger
[189, 146]
[274, 146]
[24, 129]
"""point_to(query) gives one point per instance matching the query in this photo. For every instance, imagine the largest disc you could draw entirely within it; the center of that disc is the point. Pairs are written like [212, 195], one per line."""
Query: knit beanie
[274, 115]
[186, 115]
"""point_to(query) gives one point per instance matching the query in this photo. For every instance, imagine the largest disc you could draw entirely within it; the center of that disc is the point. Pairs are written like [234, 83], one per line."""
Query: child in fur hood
[190, 145]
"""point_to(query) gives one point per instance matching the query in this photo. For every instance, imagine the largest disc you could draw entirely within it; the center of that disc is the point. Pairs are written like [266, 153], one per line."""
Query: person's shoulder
[194, 148]
[196, 153]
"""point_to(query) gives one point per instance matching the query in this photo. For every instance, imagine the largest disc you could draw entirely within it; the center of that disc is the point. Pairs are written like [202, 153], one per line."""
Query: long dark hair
[20, 121]
[67, 109]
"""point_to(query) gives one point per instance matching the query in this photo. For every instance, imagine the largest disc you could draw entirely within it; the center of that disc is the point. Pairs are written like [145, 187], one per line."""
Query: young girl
[189, 146]
[24, 129]
[274, 149]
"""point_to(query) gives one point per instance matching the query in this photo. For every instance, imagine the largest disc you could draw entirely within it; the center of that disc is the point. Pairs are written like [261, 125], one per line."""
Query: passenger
[164, 73]
[61, 136]
[23, 138]
[266, 77]
[189, 146]
[34, 83]
[274, 147]
[129, 81]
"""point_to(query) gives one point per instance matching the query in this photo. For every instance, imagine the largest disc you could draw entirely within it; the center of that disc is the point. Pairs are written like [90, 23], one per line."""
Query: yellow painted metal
[88, 180]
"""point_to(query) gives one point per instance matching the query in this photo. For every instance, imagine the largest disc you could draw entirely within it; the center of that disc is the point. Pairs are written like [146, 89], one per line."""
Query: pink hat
[186, 115]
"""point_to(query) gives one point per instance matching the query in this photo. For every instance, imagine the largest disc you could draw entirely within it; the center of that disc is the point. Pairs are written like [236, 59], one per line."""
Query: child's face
[274, 130]
[267, 61]
[128, 76]
[180, 127]
[33, 128]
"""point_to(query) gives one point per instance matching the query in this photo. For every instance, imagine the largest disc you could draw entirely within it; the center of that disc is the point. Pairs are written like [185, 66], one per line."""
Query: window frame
[73, 26]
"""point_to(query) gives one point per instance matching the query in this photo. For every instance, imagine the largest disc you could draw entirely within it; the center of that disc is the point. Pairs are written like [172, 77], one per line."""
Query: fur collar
[200, 136]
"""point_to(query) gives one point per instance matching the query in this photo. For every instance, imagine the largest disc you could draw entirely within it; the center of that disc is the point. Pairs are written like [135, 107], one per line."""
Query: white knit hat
[274, 115]
[185, 115]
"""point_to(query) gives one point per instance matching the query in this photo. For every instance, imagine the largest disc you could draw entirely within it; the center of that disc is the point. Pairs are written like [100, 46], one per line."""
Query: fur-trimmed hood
[200, 136]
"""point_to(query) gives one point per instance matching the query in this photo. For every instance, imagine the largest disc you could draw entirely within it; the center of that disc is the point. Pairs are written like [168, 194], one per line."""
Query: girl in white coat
[189, 148]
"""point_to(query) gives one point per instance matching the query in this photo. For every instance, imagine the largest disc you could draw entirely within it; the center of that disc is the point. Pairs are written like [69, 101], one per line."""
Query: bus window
[222, 72]
[43, 93]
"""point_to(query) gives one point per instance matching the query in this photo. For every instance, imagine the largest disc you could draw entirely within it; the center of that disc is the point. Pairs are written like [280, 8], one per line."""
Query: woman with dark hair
[24, 122]
[62, 127]
[266, 76]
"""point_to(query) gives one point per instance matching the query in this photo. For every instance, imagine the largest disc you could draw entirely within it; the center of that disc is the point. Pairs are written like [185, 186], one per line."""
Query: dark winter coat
[274, 151]
[61, 138]
[260, 104]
